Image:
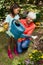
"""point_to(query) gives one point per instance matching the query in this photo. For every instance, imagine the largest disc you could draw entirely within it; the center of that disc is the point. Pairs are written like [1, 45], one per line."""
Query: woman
[29, 25]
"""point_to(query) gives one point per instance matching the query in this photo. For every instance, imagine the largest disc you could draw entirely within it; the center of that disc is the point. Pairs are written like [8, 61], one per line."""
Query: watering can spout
[24, 36]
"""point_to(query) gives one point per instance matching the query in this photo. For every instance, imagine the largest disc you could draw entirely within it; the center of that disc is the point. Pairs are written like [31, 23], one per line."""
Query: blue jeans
[22, 45]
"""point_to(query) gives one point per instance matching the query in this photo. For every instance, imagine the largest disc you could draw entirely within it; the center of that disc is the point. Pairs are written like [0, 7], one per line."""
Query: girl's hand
[3, 27]
[6, 25]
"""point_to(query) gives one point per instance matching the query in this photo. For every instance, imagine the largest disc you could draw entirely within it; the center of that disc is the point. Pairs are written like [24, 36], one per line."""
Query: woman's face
[29, 20]
[16, 11]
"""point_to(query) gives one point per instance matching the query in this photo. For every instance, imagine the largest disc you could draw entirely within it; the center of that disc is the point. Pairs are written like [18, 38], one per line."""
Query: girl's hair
[14, 6]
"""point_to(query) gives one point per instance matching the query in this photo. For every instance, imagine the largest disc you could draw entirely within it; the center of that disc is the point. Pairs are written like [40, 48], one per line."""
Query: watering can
[17, 29]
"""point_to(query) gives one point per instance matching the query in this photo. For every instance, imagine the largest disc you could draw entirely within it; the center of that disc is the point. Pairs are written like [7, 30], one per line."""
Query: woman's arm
[25, 36]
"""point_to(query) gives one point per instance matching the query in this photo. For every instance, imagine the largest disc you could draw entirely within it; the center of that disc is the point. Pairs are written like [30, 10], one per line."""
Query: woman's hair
[14, 6]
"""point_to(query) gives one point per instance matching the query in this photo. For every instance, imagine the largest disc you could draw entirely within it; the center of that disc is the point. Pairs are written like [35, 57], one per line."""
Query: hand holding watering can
[17, 29]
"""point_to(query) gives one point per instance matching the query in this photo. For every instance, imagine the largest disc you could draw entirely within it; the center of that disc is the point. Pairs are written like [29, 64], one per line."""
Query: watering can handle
[13, 20]
[18, 22]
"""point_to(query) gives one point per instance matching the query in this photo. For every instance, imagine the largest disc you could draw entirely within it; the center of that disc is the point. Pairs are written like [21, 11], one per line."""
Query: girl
[14, 9]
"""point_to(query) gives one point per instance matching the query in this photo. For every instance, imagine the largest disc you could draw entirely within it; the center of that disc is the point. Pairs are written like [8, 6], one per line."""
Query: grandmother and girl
[19, 29]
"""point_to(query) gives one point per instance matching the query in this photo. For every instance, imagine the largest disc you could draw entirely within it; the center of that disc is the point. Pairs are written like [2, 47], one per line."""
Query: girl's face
[16, 11]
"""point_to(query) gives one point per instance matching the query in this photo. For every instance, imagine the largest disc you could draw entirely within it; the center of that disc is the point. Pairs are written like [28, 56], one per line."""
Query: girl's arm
[6, 23]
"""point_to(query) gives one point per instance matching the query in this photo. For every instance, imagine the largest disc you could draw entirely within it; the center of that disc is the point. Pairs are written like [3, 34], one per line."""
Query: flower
[35, 51]
[42, 56]
[30, 54]
[31, 57]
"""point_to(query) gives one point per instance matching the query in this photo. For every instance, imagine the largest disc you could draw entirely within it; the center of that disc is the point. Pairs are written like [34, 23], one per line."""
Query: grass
[4, 60]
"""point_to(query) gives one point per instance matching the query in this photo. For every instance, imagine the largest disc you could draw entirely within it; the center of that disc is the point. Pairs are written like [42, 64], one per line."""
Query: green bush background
[5, 5]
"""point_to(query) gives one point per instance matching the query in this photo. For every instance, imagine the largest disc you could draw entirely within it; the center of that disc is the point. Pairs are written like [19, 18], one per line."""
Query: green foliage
[36, 56]
[5, 5]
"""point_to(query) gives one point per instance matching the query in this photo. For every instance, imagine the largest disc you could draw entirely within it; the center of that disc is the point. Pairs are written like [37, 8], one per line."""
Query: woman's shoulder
[23, 20]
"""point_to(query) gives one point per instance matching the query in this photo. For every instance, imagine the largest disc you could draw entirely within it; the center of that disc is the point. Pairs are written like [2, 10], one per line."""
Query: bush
[36, 56]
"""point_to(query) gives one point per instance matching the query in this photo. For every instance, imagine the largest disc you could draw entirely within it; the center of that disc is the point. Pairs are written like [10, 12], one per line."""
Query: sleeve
[7, 19]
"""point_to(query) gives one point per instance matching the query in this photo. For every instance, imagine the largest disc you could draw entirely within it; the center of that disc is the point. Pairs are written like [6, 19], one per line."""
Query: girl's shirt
[9, 21]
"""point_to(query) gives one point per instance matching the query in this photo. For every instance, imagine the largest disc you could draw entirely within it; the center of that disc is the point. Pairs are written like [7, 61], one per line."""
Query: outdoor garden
[34, 54]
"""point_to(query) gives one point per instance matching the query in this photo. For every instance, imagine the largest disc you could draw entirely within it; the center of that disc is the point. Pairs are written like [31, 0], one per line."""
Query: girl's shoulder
[16, 16]
[9, 16]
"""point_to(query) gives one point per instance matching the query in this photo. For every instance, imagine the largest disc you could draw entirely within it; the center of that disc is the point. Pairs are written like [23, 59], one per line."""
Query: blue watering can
[17, 29]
